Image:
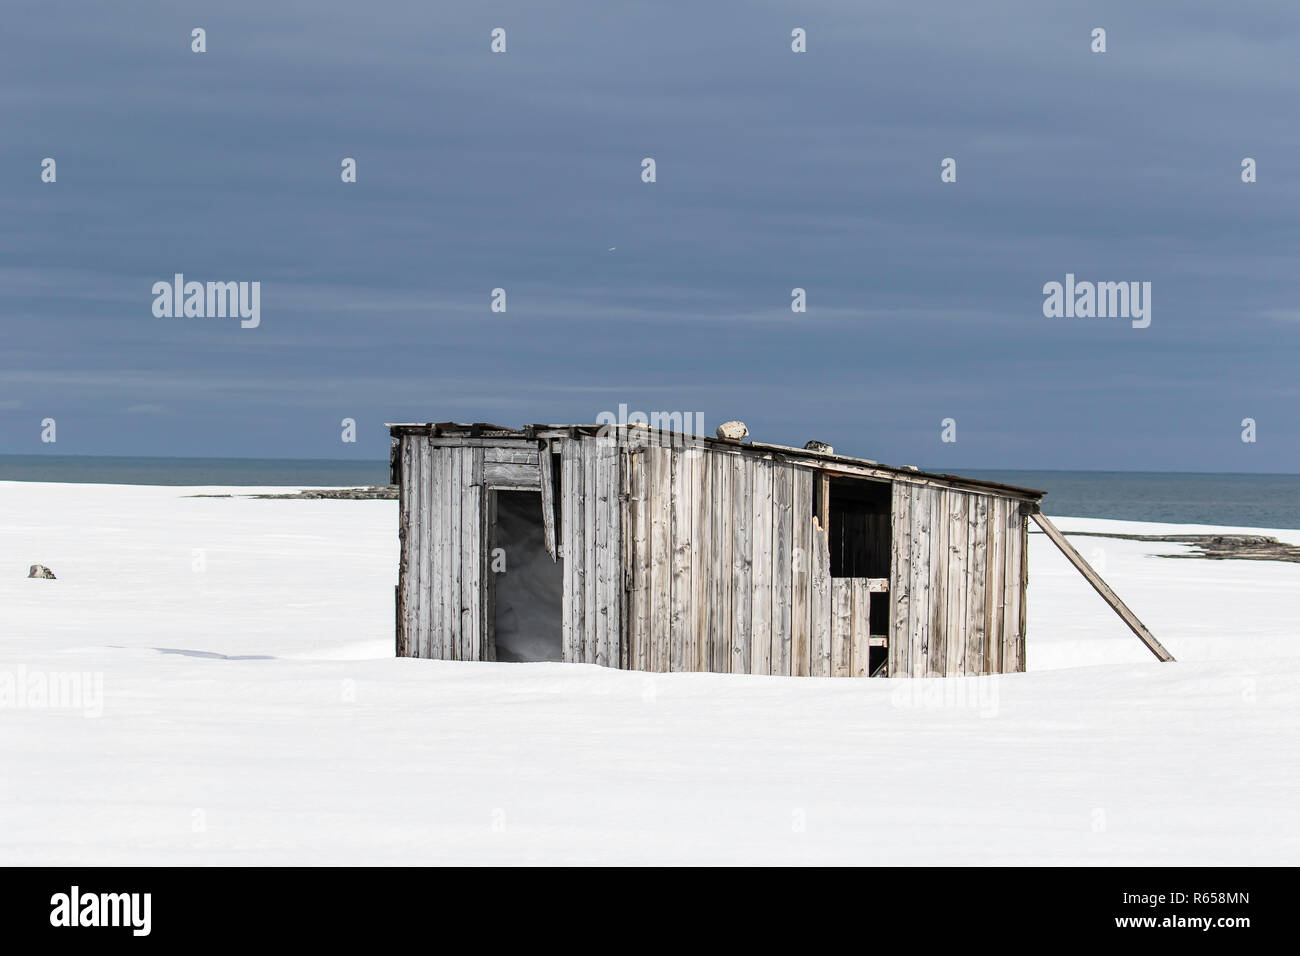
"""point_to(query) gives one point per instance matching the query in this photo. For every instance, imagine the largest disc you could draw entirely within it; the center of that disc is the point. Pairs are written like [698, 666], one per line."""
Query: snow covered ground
[249, 710]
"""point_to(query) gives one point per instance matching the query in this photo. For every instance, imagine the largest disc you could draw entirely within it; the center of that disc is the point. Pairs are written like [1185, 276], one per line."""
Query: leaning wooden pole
[1101, 587]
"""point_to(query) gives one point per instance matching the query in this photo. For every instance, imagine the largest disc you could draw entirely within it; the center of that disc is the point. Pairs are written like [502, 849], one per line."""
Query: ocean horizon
[1256, 500]
[124, 470]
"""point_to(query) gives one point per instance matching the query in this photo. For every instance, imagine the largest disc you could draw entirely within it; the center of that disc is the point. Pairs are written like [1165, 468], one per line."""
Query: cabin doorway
[856, 514]
[525, 584]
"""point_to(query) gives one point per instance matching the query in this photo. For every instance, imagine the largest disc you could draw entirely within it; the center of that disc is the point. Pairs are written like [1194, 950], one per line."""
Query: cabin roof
[486, 430]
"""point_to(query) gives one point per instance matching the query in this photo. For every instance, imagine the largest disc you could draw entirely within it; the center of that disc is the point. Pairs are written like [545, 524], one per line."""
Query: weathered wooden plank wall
[900, 579]
[820, 604]
[440, 586]
[727, 570]
[742, 564]
[957, 585]
[851, 627]
[697, 558]
[591, 532]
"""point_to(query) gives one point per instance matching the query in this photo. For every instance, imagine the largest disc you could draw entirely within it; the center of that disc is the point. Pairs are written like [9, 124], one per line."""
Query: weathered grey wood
[1102, 588]
[422, 579]
[822, 482]
[423, 575]
[700, 483]
[720, 632]
[742, 579]
[1011, 662]
[860, 628]
[451, 554]
[614, 559]
[404, 583]
[432, 550]
[436, 561]
[745, 580]
[800, 580]
[515, 453]
[920, 583]
[782, 532]
[931, 569]
[760, 660]
[1024, 509]
[640, 636]
[681, 628]
[546, 485]
[958, 587]
[661, 556]
[599, 477]
[631, 557]
[500, 443]
[605, 473]
[858, 468]
[836, 465]
[418, 549]
[472, 556]
[589, 504]
[431, 557]
[564, 492]
[997, 563]
[819, 607]
[450, 551]
[940, 526]
[977, 535]
[511, 474]
[423, 548]
[706, 588]
[490, 574]
[900, 580]
[435, 556]
[419, 543]
[841, 626]
[573, 521]
[397, 469]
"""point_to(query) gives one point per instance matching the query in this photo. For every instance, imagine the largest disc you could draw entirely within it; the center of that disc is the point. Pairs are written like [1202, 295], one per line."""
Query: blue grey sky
[775, 170]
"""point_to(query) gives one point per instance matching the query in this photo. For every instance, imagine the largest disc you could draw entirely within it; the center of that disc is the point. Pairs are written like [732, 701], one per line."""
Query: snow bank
[250, 711]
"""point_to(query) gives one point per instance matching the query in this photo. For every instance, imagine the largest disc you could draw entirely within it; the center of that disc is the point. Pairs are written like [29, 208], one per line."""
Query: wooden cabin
[649, 550]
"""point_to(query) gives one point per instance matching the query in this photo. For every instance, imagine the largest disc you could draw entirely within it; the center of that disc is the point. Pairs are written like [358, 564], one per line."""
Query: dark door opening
[526, 591]
[860, 538]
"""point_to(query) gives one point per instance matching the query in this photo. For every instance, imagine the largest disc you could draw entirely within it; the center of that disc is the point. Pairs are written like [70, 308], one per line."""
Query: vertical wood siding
[851, 627]
[694, 558]
[957, 583]
[820, 604]
[440, 587]
[592, 541]
[727, 570]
